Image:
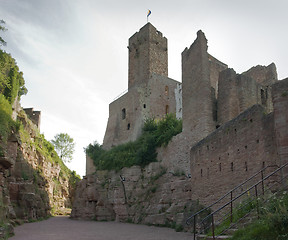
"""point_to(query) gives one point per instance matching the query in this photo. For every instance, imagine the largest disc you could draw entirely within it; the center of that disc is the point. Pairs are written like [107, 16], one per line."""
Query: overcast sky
[75, 60]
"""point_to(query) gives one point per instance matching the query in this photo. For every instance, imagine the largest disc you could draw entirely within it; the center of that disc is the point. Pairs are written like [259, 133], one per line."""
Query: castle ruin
[233, 126]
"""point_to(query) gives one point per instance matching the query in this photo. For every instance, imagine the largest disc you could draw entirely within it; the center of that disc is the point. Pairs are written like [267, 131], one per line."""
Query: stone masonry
[233, 126]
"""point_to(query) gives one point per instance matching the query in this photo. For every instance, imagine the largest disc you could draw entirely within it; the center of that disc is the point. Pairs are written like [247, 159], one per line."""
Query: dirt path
[63, 228]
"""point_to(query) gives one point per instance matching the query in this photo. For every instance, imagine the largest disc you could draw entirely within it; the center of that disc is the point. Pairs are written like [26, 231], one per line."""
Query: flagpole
[148, 14]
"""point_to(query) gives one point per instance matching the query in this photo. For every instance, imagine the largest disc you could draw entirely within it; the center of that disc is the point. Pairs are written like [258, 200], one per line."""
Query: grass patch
[273, 223]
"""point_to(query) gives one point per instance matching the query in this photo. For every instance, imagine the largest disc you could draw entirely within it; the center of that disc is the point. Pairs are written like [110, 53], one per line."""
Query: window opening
[123, 113]
[167, 109]
[166, 90]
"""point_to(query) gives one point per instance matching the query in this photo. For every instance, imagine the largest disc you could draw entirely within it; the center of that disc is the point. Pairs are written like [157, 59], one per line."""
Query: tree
[2, 28]
[64, 146]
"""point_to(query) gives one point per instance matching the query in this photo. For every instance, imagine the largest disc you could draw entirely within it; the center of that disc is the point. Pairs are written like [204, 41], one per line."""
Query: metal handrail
[247, 190]
[225, 195]
[211, 215]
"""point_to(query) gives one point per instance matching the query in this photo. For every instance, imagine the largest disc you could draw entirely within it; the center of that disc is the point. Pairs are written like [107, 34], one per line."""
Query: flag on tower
[149, 13]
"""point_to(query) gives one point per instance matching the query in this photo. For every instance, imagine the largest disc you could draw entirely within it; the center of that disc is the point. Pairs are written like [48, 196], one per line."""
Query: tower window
[166, 90]
[128, 126]
[123, 113]
[144, 105]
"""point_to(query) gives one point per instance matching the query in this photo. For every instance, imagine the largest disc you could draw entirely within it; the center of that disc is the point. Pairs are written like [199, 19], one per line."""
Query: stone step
[205, 237]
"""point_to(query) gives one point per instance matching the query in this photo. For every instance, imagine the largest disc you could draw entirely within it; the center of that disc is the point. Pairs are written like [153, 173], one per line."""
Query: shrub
[11, 79]
[140, 152]
[6, 123]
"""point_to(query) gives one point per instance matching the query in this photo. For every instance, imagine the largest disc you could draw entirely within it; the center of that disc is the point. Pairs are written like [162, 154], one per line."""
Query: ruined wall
[150, 195]
[90, 167]
[280, 102]
[200, 73]
[35, 116]
[147, 55]
[263, 75]
[233, 153]
[238, 92]
[214, 152]
[198, 99]
[127, 114]
[215, 68]
[124, 123]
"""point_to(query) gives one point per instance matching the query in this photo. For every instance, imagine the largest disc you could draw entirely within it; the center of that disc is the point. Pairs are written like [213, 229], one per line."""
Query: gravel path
[63, 228]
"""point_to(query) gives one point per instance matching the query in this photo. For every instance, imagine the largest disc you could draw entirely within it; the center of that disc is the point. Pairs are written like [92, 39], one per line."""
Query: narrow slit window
[167, 109]
[166, 90]
[123, 113]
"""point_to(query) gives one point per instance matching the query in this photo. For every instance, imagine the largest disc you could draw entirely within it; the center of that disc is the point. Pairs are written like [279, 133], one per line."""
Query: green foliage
[74, 179]
[140, 152]
[64, 146]
[273, 223]
[11, 79]
[6, 123]
[43, 147]
[3, 29]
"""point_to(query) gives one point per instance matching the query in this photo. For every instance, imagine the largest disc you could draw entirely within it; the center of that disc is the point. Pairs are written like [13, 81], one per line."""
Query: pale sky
[74, 56]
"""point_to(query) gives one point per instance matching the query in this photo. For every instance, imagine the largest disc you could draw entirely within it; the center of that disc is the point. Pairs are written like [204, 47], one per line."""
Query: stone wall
[197, 98]
[127, 114]
[231, 130]
[232, 154]
[148, 54]
[150, 195]
[35, 116]
[238, 92]
[280, 102]
[263, 75]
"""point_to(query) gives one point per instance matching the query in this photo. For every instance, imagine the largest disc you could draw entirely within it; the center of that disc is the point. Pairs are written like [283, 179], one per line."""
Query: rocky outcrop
[33, 181]
[150, 196]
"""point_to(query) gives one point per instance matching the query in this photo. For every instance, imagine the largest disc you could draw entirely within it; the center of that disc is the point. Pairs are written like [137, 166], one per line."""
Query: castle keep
[150, 92]
[233, 126]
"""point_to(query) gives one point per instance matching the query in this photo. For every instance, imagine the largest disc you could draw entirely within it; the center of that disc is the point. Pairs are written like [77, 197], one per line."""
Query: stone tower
[147, 55]
[151, 94]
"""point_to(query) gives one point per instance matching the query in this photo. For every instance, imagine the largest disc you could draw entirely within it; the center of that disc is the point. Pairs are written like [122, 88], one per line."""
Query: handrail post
[262, 178]
[257, 204]
[213, 227]
[231, 208]
[194, 227]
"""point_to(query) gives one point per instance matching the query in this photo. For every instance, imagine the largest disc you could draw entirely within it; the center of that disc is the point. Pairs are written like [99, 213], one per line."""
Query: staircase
[238, 207]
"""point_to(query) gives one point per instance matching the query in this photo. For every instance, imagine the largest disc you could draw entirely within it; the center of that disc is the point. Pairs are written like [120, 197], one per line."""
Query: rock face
[150, 196]
[32, 183]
